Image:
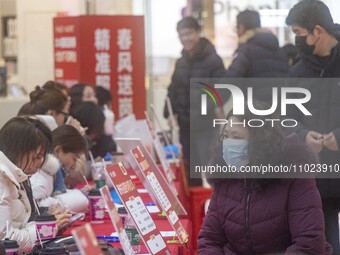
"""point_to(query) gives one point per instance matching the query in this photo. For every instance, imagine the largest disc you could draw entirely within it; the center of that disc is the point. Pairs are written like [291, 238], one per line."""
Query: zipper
[333, 56]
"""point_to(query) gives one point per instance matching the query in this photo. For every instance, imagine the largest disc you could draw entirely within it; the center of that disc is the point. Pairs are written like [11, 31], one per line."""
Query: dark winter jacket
[258, 55]
[324, 106]
[283, 217]
[205, 63]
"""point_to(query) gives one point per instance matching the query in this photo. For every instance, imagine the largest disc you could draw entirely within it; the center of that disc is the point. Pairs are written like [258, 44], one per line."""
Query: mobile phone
[78, 216]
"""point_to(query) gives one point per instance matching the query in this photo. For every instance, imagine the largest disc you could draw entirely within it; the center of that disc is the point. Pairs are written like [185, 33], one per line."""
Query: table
[161, 222]
[107, 228]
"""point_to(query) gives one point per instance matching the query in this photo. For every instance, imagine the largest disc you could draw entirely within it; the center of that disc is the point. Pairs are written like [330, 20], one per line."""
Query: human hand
[86, 189]
[76, 124]
[62, 218]
[315, 141]
[330, 142]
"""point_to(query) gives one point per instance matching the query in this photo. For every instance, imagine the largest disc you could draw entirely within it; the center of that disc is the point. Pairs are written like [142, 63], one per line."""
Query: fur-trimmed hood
[261, 37]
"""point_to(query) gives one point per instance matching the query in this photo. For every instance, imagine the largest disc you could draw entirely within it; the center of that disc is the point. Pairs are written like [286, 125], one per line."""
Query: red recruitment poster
[116, 220]
[162, 191]
[110, 53]
[86, 240]
[137, 210]
[127, 144]
[66, 50]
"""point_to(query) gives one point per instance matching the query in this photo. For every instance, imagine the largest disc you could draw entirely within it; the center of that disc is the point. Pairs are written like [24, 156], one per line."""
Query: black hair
[91, 116]
[69, 138]
[76, 94]
[22, 135]
[24, 109]
[42, 100]
[309, 13]
[248, 19]
[291, 52]
[103, 95]
[188, 22]
[52, 85]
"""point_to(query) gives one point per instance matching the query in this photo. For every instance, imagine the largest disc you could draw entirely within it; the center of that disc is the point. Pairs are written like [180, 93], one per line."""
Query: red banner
[108, 51]
[137, 210]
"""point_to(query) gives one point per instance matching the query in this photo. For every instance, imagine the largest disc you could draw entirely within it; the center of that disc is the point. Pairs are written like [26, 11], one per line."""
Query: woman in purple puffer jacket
[249, 216]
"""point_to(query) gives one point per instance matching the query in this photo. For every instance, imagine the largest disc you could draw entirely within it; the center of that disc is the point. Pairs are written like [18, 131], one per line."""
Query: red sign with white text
[107, 51]
[133, 203]
[116, 220]
[86, 240]
[163, 196]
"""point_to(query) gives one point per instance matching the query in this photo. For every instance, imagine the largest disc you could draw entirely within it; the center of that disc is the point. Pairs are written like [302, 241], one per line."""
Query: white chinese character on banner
[125, 106]
[103, 62]
[125, 85]
[102, 39]
[103, 81]
[124, 61]
[124, 39]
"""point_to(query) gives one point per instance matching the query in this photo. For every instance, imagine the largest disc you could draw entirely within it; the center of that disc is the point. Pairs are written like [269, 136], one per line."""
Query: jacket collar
[14, 173]
[251, 33]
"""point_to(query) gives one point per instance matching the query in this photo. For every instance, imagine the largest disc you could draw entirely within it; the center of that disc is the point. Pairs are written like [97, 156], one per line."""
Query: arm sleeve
[172, 97]
[305, 216]
[211, 239]
[239, 66]
[25, 236]
[41, 187]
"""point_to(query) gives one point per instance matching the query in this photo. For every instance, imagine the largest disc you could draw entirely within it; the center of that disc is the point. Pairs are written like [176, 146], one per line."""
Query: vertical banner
[129, 195]
[66, 50]
[86, 240]
[107, 51]
[163, 193]
[116, 220]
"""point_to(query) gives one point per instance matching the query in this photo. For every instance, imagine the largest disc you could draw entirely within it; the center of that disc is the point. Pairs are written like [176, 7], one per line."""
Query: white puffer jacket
[42, 188]
[15, 206]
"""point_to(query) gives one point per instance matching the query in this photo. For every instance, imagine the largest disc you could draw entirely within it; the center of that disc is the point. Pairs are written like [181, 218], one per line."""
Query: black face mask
[302, 46]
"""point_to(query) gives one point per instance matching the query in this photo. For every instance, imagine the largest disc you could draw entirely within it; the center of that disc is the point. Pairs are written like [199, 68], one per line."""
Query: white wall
[35, 35]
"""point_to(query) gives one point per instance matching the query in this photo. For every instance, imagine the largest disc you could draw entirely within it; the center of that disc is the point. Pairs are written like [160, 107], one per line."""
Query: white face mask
[235, 152]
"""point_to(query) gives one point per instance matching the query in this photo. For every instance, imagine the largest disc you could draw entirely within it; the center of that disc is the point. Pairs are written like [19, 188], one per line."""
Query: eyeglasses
[66, 115]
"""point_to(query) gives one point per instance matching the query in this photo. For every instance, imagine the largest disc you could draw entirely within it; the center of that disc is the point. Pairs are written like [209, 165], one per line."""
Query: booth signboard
[107, 51]
[86, 240]
[128, 144]
[116, 220]
[163, 192]
[133, 203]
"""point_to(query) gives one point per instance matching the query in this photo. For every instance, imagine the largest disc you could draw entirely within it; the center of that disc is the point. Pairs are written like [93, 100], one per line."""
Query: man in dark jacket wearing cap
[316, 40]
[199, 60]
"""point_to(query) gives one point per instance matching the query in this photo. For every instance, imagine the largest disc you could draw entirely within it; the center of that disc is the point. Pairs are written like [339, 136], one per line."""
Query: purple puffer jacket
[284, 218]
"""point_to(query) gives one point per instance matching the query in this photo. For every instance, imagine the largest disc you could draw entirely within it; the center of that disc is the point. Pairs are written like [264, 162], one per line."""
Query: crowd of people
[266, 216]
[44, 154]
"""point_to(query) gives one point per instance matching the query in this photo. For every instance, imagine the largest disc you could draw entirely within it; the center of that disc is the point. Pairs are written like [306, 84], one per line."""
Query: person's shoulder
[297, 152]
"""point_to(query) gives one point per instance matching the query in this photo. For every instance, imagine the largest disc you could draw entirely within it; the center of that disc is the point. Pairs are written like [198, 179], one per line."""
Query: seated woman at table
[24, 143]
[51, 105]
[81, 93]
[48, 184]
[92, 117]
[262, 216]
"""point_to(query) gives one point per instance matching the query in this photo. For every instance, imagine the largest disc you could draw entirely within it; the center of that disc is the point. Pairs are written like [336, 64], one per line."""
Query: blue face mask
[235, 152]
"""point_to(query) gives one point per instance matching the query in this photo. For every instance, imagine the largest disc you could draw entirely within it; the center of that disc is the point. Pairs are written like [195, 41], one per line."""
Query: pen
[110, 239]
[150, 204]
